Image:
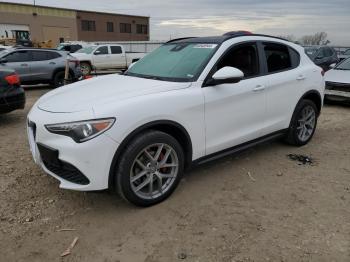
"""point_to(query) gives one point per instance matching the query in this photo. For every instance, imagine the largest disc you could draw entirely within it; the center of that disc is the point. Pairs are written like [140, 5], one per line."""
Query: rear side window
[44, 55]
[19, 56]
[277, 57]
[53, 55]
[116, 49]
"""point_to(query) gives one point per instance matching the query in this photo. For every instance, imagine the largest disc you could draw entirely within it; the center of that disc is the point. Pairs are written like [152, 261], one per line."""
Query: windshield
[344, 65]
[177, 62]
[87, 50]
[310, 51]
[347, 52]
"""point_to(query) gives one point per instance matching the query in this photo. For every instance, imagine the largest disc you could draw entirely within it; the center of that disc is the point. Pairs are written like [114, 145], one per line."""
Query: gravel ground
[256, 206]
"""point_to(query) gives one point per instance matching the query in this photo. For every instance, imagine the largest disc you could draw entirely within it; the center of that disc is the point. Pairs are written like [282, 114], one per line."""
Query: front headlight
[83, 130]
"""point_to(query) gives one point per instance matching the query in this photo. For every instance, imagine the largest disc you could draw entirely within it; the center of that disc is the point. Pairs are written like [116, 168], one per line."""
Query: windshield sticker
[209, 46]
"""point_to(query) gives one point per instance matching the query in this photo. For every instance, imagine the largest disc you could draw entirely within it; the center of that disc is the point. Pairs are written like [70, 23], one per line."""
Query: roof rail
[179, 39]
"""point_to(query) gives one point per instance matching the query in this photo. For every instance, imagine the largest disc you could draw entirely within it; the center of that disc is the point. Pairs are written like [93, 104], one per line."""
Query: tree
[319, 38]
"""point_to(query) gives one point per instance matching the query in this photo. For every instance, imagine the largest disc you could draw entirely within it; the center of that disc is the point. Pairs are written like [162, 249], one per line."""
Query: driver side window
[103, 50]
[244, 57]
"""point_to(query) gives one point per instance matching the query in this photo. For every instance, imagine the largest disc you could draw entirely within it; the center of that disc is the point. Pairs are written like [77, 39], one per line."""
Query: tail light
[13, 79]
[75, 62]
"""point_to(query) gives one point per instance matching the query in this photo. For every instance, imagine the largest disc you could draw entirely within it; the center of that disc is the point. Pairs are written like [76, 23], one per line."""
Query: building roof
[70, 9]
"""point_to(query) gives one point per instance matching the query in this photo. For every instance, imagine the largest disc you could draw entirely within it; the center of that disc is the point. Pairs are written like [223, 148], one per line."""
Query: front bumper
[12, 99]
[78, 166]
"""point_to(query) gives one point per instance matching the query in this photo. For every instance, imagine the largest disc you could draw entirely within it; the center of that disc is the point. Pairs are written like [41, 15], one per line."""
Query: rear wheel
[150, 168]
[303, 124]
[85, 68]
[58, 79]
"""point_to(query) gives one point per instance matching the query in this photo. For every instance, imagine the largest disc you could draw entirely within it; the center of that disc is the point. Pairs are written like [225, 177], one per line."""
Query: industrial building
[42, 24]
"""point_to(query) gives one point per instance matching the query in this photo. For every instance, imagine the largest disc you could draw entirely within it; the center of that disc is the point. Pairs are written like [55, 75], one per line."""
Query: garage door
[54, 34]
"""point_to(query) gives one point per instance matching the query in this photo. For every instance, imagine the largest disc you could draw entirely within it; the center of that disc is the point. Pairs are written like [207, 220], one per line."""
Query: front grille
[61, 168]
[338, 86]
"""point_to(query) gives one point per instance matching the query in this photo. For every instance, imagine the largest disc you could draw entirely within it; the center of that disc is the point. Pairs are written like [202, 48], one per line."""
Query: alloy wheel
[306, 123]
[154, 171]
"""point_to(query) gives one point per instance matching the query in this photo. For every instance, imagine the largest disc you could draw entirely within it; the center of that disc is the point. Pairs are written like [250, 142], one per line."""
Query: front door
[19, 61]
[235, 113]
[102, 57]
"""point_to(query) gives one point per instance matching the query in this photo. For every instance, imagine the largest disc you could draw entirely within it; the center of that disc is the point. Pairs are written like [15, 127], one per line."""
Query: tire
[85, 68]
[58, 79]
[303, 123]
[136, 170]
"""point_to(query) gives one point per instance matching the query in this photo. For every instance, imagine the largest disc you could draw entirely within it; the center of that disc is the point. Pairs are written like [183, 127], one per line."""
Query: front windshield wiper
[144, 76]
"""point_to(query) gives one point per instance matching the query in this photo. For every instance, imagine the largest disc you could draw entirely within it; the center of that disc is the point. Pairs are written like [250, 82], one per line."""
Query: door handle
[52, 63]
[301, 77]
[24, 64]
[259, 88]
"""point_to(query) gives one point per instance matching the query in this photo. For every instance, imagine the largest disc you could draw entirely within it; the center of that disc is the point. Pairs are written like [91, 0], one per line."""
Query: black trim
[65, 170]
[150, 125]
[239, 148]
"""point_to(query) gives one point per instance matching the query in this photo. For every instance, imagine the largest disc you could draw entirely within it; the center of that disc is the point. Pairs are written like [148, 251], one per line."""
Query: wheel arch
[61, 69]
[315, 97]
[167, 126]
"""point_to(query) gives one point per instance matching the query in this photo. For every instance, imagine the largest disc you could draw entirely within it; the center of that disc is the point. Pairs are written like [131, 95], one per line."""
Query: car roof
[220, 39]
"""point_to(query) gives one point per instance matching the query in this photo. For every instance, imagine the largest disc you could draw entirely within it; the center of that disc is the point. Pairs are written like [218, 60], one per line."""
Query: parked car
[105, 57]
[322, 56]
[190, 101]
[71, 47]
[36, 66]
[344, 55]
[12, 95]
[338, 82]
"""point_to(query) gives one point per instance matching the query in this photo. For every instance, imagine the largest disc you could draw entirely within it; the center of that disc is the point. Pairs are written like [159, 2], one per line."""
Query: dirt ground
[256, 206]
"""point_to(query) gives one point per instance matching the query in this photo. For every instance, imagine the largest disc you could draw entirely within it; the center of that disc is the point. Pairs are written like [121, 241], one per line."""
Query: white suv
[190, 101]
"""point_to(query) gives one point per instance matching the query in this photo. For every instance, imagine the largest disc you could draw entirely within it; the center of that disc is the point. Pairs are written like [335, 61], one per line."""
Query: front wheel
[303, 123]
[85, 68]
[150, 168]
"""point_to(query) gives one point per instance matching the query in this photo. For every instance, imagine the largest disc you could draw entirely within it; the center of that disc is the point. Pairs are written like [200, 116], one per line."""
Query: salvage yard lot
[255, 206]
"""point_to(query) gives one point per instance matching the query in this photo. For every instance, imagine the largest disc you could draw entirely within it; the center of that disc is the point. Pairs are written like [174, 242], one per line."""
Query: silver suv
[37, 66]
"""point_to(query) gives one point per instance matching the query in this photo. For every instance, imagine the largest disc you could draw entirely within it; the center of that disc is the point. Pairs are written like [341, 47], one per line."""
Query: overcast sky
[178, 18]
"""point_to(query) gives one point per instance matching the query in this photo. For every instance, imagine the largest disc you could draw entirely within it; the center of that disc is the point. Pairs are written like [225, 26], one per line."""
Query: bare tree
[319, 38]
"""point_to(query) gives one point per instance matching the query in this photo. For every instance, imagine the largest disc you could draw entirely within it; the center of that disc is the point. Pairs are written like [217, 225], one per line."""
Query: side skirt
[240, 148]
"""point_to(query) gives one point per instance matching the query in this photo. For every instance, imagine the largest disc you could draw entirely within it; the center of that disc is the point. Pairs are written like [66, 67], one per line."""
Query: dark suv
[322, 56]
[36, 66]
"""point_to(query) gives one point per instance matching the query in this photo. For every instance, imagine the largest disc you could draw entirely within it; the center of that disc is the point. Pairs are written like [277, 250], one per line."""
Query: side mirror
[97, 52]
[332, 65]
[3, 61]
[226, 75]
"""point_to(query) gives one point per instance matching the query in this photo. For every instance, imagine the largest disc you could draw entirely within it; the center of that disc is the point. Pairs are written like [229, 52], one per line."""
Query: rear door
[285, 84]
[19, 61]
[118, 56]
[43, 64]
[102, 57]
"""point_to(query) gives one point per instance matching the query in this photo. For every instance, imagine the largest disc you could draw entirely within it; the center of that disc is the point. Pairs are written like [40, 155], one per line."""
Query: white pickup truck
[105, 57]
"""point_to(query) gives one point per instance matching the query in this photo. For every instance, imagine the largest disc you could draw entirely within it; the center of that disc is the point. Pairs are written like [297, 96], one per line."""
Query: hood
[80, 56]
[338, 76]
[86, 94]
